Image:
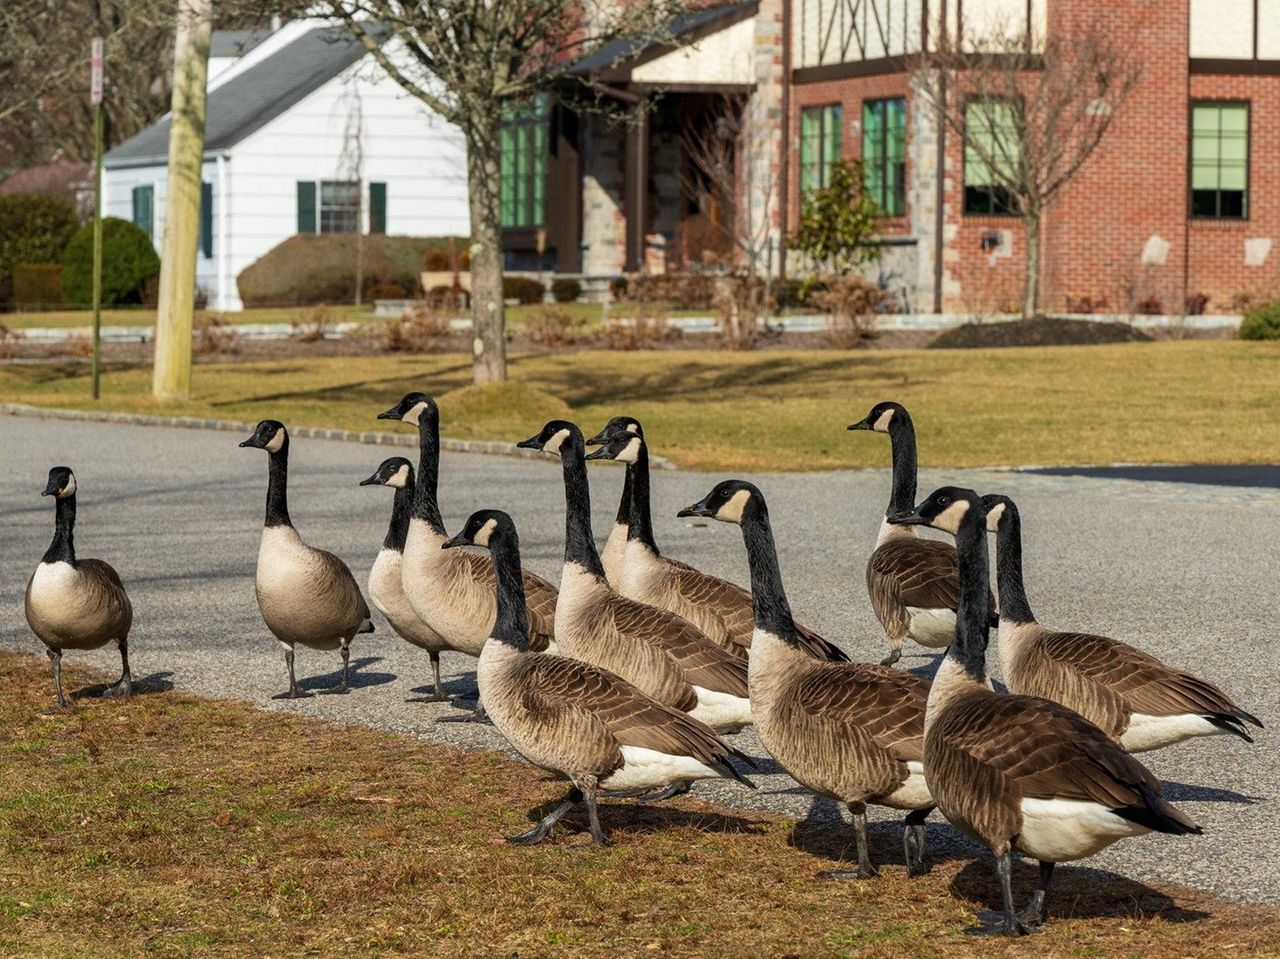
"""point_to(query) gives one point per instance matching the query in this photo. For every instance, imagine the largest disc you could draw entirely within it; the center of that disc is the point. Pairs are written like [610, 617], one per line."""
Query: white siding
[1223, 28]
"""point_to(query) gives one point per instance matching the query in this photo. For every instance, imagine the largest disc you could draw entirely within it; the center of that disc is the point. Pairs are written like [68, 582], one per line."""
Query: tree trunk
[488, 316]
[171, 380]
[1031, 289]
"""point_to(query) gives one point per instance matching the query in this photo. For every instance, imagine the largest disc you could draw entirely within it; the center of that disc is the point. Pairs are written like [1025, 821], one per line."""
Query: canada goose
[76, 603]
[665, 656]
[1019, 773]
[452, 591]
[574, 718]
[722, 610]
[306, 595]
[1131, 696]
[615, 547]
[913, 582]
[385, 588]
[849, 731]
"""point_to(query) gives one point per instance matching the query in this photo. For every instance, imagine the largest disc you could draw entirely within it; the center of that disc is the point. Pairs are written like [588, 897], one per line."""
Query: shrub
[682, 291]
[838, 220]
[553, 327]
[448, 297]
[313, 325]
[436, 260]
[130, 266]
[34, 228]
[1261, 323]
[9, 340]
[565, 290]
[37, 285]
[385, 291]
[851, 303]
[523, 289]
[311, 269]
[212, 334]
[420, 329]
[646, 328]
[739, 303]
[1150, 306]
[1197, 304]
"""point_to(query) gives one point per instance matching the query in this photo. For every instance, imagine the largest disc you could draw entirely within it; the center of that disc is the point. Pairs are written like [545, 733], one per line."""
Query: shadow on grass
[145, 686]
[827, 835]
[623, 816]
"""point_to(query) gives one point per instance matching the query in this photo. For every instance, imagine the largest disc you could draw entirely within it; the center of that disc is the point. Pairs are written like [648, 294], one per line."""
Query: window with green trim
[523, 143]
[144, 209]
[1220, 160]
[339, 206]
[990, 137]
[819, 145]
[884, 153]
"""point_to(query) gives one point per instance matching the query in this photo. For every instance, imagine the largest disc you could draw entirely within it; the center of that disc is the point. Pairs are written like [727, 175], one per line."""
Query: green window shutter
[377, 208]
[206, 219]
[306, 206]
[143, 207]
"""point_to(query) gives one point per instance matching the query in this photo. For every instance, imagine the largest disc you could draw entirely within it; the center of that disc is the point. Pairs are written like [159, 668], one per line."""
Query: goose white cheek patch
[276, 443]
[414, 414]
[950, 518]
[70, 488]
[553, 445]
[731, 512]
[993, 517]
[399, 478]
[881, 425]
[485, 533]
[630, 453]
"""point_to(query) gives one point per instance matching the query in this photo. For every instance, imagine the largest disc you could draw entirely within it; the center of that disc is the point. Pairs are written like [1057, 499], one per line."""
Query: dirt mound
[506, 409]
[1038, 331]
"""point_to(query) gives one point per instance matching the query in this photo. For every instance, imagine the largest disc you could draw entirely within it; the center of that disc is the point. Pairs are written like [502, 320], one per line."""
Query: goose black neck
[512, 623]
[401, 508]
[768, 598]
[972, 622]
[278, 487]
[579, 544]
[639, 519]
[63, 548]
[902, 438]
[1013, 594]
[624, 504]
[426, 505]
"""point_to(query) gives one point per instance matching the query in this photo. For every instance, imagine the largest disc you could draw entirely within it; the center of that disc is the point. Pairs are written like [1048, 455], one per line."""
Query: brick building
[1180, 204]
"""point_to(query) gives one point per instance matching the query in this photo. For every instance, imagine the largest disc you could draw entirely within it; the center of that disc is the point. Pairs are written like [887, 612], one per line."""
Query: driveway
[1185, 570]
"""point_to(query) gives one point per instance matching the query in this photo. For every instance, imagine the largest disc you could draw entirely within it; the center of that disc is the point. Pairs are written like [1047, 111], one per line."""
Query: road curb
[368, 437]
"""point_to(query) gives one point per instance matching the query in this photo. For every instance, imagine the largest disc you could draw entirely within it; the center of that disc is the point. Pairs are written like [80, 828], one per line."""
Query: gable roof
[254, 98]
[236, 43]
[620, 55]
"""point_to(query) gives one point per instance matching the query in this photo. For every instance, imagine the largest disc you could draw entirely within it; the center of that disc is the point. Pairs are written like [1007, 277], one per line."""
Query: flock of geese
[623, 679]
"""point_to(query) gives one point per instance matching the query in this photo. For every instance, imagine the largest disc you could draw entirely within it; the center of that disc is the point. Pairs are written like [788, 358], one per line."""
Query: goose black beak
[598, 438]
[599, 454]
[532, 443]
[862, 424]
[253, 442]
[49, 490]
[391, 414]
[458, 540]
[912, 517]
[374, 480]
[697, 509]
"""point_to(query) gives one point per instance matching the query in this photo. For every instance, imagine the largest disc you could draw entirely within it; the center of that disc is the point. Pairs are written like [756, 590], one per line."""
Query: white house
[304, 134]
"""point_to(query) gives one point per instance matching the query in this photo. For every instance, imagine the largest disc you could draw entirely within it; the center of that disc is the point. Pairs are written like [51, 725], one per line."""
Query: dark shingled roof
[247, 102]
[616, 52]
[236, 43]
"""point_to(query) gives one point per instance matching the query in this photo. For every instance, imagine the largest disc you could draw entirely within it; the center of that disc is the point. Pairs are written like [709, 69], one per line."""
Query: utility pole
[95, 98]
[171, 380]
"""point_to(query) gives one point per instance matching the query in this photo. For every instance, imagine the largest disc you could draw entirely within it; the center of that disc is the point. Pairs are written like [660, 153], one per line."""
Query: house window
[524, 164]
[884, 153]
[206, 220]
[819, 145]
[144, 209]
[339, 206]
[990, 140]
[1220, 160]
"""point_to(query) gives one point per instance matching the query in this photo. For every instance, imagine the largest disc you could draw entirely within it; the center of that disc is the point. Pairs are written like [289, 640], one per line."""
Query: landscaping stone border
[369, 437]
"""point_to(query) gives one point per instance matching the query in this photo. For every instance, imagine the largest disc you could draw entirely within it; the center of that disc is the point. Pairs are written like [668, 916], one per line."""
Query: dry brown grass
[176, 826]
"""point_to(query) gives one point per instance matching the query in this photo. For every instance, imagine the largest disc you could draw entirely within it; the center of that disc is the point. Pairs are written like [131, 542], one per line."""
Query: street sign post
[95, 98]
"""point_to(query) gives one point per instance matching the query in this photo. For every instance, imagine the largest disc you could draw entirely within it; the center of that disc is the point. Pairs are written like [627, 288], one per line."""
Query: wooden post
[95, 97]
[171, 380]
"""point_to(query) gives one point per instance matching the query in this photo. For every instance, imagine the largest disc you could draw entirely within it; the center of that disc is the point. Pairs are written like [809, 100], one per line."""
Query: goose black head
[943, 509]
[410, 409]
[62, 483]
[551, 437]
[997, 507]
[480, 528]
[269, 435]
[396, 472]
[619, 445]
[619, 424]
[727, 502]
[882, 416]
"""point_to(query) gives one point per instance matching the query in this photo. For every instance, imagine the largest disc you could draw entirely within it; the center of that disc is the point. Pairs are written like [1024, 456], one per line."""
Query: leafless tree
[351, 169]
[1043, 105]
[470, 61]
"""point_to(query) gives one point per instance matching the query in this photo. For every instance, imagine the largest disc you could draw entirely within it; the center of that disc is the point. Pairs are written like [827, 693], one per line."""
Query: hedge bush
[129, 265]
[565, 290]
[524, 289]
[1261, 323]
[37, 286]
[684, 291]
[34, 228]
[321, 268]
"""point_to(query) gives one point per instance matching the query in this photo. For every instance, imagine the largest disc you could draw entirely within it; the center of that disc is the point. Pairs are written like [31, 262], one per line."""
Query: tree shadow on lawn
[385, 390]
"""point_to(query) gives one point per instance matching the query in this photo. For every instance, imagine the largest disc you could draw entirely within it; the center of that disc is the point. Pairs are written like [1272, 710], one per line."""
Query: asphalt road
[1185, 571]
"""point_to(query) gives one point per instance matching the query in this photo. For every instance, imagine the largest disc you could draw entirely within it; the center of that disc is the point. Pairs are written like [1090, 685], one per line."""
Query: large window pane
[524, 163]
[991, 154]
[884, 150]
[1220, 160]
[339, 206]
[819, 144]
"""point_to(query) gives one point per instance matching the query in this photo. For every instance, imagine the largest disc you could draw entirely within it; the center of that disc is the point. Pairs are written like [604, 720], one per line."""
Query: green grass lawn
[174, 826]
[1211, 401]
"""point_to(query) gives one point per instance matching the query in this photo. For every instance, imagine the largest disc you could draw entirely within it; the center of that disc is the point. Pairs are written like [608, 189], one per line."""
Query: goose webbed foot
[123, 689]
[589, 791]
[547, 824]
[1033, 916]
[343, 687]
[865, 869]
[437, 694]
[476, 715]
[913, 842]
[893, 657]
[293, 692]
[662, 795]
[1006, 922]
[871, 872]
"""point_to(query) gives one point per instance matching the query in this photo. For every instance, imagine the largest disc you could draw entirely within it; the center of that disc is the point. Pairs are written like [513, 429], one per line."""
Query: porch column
[637, 184]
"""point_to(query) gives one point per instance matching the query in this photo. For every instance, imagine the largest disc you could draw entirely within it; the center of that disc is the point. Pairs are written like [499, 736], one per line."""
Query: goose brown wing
[109, 596]
[1145, 684]
[923, 573]
[888, 704]
[633, 718]
[336, 586]
[700, 661]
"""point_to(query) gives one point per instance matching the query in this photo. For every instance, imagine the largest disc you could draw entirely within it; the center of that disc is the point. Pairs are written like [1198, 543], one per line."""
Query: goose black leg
[55, 660]
[662, 795]
[913, 841]
[293, 683]
[343, 687]
[1033, 915]
[547, 825]
[589, 793]
[895, 653]
[438, 696]
[1004, 923]
[123, 688]
[865, 869]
